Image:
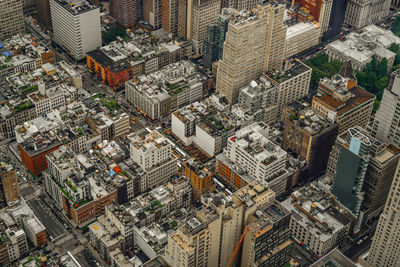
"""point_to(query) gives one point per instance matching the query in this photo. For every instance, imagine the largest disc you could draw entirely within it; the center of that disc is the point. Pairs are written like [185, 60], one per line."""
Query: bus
[219, 183]
[148, 129]
[183, 154]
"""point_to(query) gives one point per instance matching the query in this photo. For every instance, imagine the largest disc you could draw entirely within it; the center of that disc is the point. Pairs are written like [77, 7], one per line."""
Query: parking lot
[53, 226]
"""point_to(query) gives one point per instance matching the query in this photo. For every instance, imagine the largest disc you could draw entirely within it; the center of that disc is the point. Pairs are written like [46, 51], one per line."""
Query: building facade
[11, 18]
[76, 26]
[366, 12]
[126, 13]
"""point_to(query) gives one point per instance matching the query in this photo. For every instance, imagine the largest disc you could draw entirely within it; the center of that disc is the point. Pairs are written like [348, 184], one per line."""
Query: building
[336, 20]
[34, 148]
[46, 100]
[152, 12]
[202, 125]
[9, 191]
[267, 241]
[362, 169]
[300, 37]
[159, 93]
[80, 21]
[43, 15]
[14, 245]
[200, 177]
[35, 231]
[114, 229]
[251, 156]
[11, 18]
[360, 47]
[125, 13]
[385, 248]
[193, 18]
[82, 185]
[366, 12]
[385, 126]
[153, 155]
[317, 220]
[341, 100]
[22, 53]
[274, 11]
[169, 14]
[16, 112]
[320, 10]
[257, 102]
[292, 84]
[221, 222]
[310, 135]
[245, 39]
[113, 70]
[334, 258]
[215, 37]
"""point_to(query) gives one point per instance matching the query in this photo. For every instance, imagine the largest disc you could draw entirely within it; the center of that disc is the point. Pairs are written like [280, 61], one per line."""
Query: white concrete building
[366, 12]
[47, 99]
[257, 156]
[386, 125]
[360, 47]
[300, 37]
[76, 26]
[153, 155]
[315, 221]
[292, 84]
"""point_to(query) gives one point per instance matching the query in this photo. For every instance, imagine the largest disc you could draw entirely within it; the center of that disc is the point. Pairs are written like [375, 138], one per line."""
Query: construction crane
[238, 245]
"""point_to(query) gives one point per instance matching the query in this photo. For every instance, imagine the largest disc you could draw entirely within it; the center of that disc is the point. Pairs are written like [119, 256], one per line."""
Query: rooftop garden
[110, 103]
[28, 89]
[73, 187]
[79, 131]
[216, 122]
[23, 106]
[66, 193]
[98, 95]
[171, 86]
[112, 34]
[280, 78]
[81, 203]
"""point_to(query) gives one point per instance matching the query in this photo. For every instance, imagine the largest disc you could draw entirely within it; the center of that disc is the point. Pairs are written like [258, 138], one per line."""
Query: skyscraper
[215, 38]
[244, 50]
[43, 13]
[76, 26]
[386, 125]
[126, 12]
[170, 16]
[362, 169]
[11, 18]
[9, 190]
[276, 33]
[254, 43]
[385, 248]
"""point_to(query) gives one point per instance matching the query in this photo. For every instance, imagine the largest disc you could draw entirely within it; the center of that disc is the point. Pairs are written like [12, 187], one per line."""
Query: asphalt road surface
[53, 226]
[27, 191]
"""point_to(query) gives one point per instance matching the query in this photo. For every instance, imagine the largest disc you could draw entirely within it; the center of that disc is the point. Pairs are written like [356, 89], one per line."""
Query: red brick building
[113, 73]
[33, 154]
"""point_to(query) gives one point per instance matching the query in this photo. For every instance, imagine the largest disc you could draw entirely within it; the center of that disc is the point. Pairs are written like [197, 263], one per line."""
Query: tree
[395, 27]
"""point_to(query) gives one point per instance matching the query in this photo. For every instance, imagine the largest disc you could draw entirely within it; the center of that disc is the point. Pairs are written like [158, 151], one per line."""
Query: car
[359, 242]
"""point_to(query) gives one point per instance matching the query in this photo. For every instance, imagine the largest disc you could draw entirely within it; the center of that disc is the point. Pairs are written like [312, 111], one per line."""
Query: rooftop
[295, 68]
[316, 209]
[254, 193]
[300, 28]
[76, 7]
[360, 47]
[302, 115]
[253, 139]
[358, 98]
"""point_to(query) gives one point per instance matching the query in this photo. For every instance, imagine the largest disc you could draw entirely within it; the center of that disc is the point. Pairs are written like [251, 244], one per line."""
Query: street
[53, 226]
